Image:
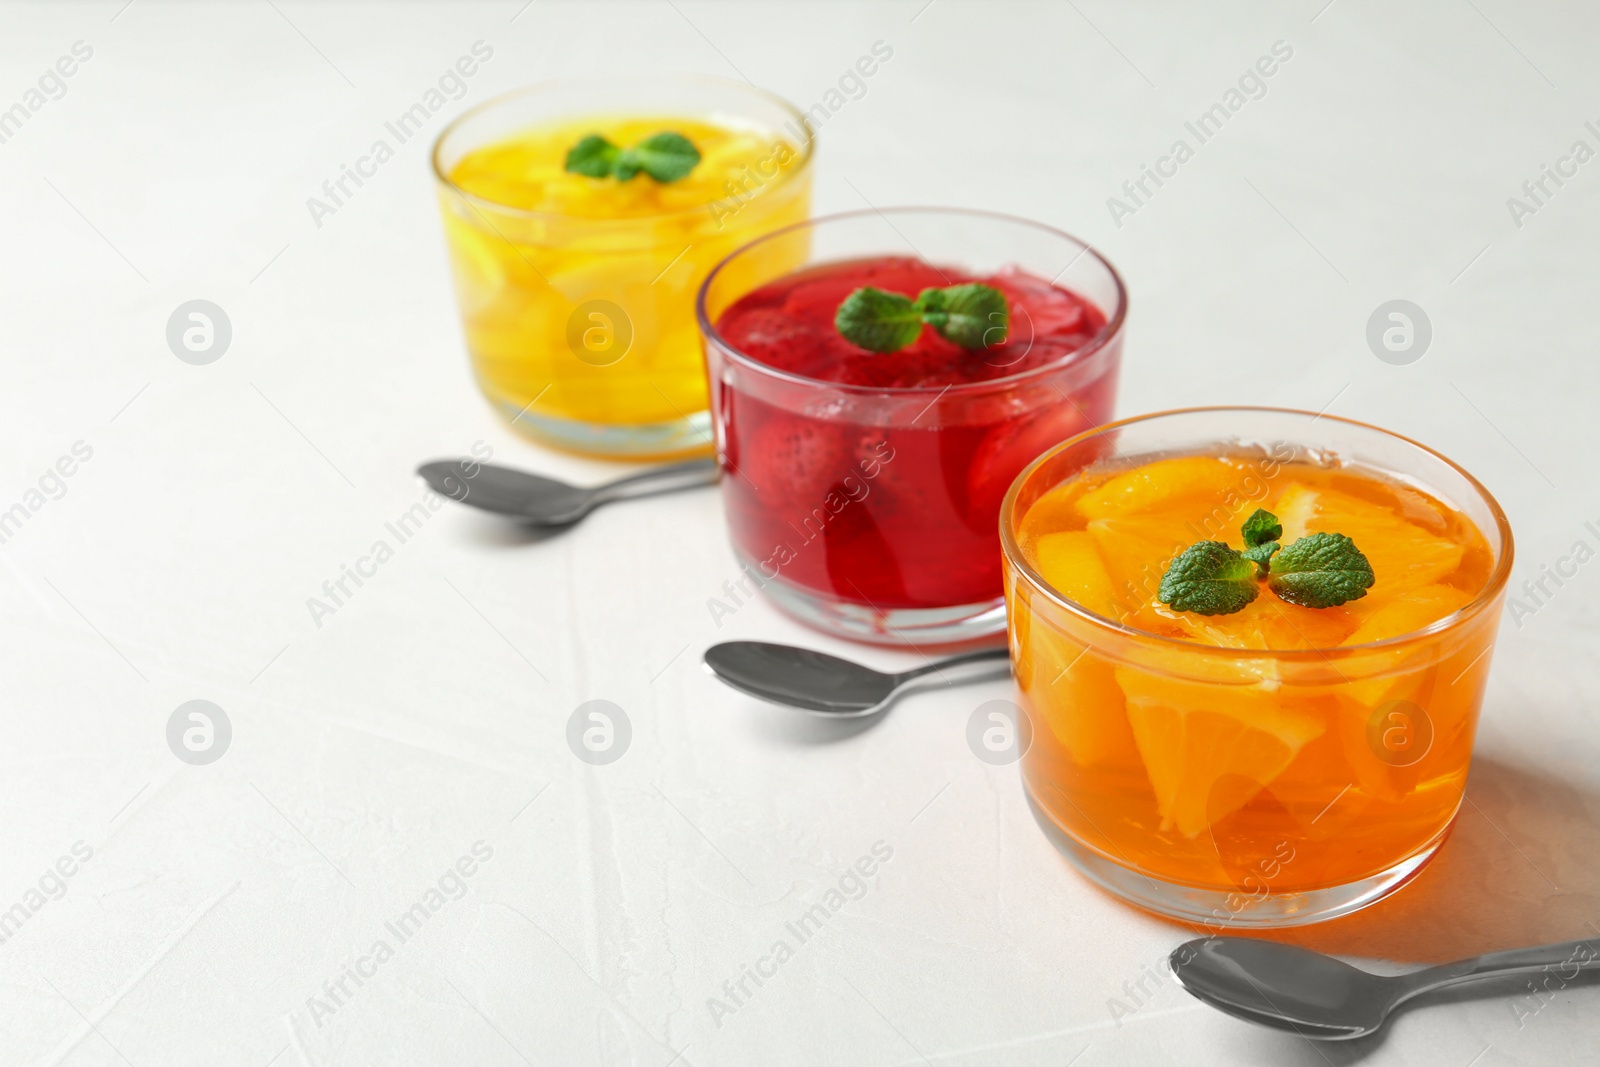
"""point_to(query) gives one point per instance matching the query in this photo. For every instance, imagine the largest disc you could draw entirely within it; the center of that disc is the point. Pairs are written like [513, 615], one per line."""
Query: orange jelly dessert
[1250, 754]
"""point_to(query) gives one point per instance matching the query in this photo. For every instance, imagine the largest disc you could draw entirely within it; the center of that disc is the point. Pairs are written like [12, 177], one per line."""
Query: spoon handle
[969, 666]
[1564, 960]
[663, 479]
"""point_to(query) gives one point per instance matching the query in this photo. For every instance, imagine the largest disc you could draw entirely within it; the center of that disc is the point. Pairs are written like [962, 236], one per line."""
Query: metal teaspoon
[540, 501]
[1317, 996]
[833, 687]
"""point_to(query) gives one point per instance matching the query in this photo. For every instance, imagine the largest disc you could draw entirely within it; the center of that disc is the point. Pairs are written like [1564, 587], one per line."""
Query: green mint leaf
[1262, 526]
[1321, 570]
[878, 321]
[1260, 555]
[971, 315]
[930, 302]
[666, 156]
[626, 166]
[592, 157]
[1209, 578]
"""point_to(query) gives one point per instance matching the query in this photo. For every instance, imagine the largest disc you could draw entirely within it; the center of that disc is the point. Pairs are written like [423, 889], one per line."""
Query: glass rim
[806, 150]
[1498, 578]
[1107, 334]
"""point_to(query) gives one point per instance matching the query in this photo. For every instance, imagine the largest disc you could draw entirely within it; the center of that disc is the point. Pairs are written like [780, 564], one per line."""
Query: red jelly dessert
[875, 479]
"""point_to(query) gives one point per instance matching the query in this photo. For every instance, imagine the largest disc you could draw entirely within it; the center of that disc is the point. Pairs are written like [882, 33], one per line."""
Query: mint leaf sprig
[970, 315]
[1319, 570]
[1261, 532]
[665, 156]
[1209, 578]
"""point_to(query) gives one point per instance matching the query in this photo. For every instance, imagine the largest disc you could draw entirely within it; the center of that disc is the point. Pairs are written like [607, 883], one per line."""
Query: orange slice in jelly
[1397, 691]
[1071, 687]
[1409, 612]
[1267, 622]
[1055, 510]
[1377, 733]
[1191, 484]
[1404, 556]
[1071, 562]
[1403, 615]
[1082, 704]
[1208, 749]
[1137, 552]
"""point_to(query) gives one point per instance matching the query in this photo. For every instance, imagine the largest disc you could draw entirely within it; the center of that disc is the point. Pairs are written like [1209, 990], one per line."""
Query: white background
[371, 752]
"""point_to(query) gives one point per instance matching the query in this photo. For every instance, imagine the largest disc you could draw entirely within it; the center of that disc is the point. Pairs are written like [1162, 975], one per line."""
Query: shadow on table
[495, 531]
[791, 726]
[1521, 868]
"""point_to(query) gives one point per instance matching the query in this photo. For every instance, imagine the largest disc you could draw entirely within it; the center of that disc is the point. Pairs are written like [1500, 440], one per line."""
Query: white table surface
[428, 713]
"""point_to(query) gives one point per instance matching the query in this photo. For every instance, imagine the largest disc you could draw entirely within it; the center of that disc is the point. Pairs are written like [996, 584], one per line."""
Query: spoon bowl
[505, 491]
[1285, 986]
